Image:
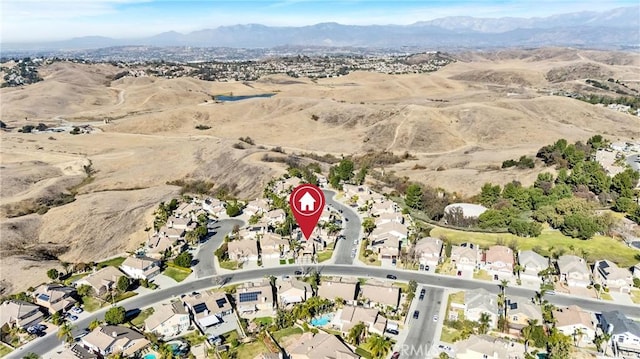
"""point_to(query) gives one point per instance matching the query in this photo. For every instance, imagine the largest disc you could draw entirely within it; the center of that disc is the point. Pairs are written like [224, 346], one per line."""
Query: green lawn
[74, 278]
[278, 335]
[605, 296]
[363, 353]
[125, 295]
[448, 335]
[292, 260]
[446, 267]
[598, 247]
[4, 350]
[177, 274]
[635, 296]
[325, 256]
[115, 262]
[457, 297]
[138, 321]
[230, 265]
[481, 274]
[194, 338]
[368, 261]
[251, 350]
[263, 320]
[91, 304]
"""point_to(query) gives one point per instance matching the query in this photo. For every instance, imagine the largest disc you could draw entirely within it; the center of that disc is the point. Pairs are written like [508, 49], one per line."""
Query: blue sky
[44, 20]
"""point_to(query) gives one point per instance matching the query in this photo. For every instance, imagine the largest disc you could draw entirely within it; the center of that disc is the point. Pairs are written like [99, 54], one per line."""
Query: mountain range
[617, 28]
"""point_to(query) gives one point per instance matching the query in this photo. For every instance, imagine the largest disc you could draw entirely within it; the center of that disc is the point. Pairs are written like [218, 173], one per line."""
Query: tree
[368, 225]
[123, 283]
[559, 345]
[233, 209]
[528, 332]
[66, 266]
[84, 290]
[94, 324]
[183, 259]
[31, 356]
[56, 318]
[413, 196]
[53, 274]
[379, 345]
[443, 355]
[115, 315]
[65, 332]
[356, 333]
[580, 225]
[489, 194]
[485, 323]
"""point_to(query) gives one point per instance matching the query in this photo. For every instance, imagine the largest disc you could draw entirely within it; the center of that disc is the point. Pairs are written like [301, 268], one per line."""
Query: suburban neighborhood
[302, 303]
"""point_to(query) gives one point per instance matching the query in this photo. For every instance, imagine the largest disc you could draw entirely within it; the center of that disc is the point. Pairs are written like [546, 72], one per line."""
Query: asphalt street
[205, 254]
[342, 252]
[422, 331]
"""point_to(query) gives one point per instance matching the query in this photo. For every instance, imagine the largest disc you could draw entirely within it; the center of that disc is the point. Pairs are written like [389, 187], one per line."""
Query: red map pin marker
[307, 204]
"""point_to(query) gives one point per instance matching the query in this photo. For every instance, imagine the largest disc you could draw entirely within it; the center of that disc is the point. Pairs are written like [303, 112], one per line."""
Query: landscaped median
[176, 273]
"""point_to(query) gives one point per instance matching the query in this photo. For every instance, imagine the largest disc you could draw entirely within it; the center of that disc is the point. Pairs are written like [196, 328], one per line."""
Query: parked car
[392, 331]
[71, 317]
[416, 314]
[395, 355]
[391, 276]
[77, 310]
[459, 273]
[422, 294]
[41, 327]
[298, 272]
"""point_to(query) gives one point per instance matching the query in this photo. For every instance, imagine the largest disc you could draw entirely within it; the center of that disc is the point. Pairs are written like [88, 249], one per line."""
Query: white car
[435, 318]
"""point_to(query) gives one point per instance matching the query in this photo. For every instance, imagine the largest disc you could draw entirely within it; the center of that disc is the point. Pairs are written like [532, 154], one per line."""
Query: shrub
[202, 127]
[183, 259]
[115, 315]
[238, 146]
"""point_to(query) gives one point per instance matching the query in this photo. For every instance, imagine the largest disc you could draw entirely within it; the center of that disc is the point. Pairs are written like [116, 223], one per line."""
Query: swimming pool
[321, 321]
[149, 356]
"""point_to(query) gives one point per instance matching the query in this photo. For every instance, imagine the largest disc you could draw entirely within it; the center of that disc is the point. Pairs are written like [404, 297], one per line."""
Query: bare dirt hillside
[460, 123]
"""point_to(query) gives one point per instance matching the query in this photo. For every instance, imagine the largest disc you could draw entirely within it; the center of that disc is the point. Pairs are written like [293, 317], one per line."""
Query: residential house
[370, 317]
[488, 347]
[306, 251]
[344, 288]
[532, 264]
[141, 267]
[179, 223]
[102, 281]
[257, 206]
[386, 240]
[168, 320]
[520, 311]
[480, 301]
[383, 207]
[273, 246]
[158, 244]
[186, 209]
[574, 271]
[285, 186]
[243, 250]
[54, 297]
[320, 345]
[576, 323]
[609, 275]
[19, 314]
[326, 215]
[292, 291]
[322, 180]
[498, 261]
[466, 256]
[353, 190]
[207, 309]
[625, 333]
[112, 339]
[78, 351]
[275, 217]
[254, 296]
[172, 233]
[382, 294]
[214, 206]
[395, 217]
[428, 251]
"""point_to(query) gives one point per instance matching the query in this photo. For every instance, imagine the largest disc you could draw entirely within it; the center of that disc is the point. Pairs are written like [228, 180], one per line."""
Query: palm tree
[527, 333]
[577, 336]
[503, 288]
[517, 269]
[485, 322]
[357, 333]
[64, 332]
[379, 346]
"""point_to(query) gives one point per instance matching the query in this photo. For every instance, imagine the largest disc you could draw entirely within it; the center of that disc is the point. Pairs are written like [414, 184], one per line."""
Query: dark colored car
[395, 355]
[392, 331]
[422, 293]
[298, 272]
[416, 314]
[391, 276]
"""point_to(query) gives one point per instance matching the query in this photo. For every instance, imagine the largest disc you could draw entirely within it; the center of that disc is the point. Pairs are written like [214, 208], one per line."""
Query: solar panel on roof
[221, 302]
[249, 297]
[199, 308]
[43, 297]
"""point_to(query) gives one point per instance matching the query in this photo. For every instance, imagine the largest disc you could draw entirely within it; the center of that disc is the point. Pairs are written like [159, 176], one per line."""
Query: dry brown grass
[464, 120]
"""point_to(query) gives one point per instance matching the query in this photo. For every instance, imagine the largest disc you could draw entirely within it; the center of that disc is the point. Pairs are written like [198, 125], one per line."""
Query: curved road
[206, 269]
[205, 254]
[342, 252]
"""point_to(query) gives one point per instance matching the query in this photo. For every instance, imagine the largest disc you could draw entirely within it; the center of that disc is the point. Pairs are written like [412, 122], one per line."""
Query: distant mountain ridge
[617, 28]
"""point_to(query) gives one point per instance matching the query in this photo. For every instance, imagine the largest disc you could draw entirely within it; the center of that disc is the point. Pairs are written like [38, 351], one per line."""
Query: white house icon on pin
[307, 202]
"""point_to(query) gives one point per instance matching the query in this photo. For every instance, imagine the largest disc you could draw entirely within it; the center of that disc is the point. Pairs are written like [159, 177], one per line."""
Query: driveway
[622, 298]
[204, 256]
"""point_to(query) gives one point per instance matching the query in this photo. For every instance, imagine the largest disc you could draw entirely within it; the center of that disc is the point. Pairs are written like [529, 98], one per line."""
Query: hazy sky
[43, 20]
